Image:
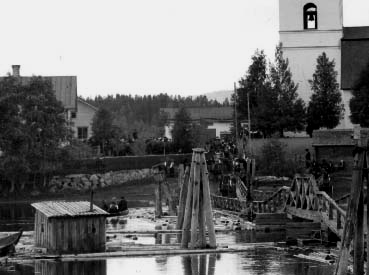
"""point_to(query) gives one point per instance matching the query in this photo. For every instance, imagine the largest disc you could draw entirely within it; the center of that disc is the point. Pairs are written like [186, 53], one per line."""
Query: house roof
[354, 55]
[197, 113]
[65, 88]
[62, 209]
[80, 100]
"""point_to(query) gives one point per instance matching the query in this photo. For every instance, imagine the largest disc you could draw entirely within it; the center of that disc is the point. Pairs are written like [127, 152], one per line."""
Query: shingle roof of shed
[68, 209]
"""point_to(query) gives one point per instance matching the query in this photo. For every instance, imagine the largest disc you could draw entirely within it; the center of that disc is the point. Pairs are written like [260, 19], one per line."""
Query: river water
[258, 260]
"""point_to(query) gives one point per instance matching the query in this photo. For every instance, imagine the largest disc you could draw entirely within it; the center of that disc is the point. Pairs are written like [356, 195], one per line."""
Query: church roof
[354, 55]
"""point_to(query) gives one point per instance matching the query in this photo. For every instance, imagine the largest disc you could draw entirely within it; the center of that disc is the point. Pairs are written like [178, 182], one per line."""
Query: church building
[309, 28]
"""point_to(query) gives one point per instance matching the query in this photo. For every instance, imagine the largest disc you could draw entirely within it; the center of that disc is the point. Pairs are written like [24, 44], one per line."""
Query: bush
[273, 161]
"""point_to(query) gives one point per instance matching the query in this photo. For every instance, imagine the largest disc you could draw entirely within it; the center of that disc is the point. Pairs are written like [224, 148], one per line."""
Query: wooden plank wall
[76, 235]
[70, 235]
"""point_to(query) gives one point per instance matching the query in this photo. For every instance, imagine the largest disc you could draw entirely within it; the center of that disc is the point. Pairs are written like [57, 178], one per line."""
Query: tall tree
[290, 111]
[184, 133]
[262, 99]
[359, 103]
[325, 108]
[251, 83]
[32, 127]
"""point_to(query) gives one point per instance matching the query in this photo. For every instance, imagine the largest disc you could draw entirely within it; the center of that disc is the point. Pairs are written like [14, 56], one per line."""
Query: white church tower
[306, 30]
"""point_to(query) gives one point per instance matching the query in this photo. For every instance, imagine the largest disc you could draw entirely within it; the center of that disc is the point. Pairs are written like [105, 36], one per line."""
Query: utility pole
[249, 119]
[235, 111]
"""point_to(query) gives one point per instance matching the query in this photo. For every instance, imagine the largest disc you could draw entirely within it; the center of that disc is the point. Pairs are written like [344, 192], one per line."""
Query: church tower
[306, 29]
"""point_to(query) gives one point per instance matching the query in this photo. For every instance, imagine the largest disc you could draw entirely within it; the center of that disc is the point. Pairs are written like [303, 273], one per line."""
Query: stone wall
[83, 181]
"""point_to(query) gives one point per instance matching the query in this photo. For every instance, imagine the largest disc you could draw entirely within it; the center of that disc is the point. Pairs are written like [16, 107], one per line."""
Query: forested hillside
[146, 108]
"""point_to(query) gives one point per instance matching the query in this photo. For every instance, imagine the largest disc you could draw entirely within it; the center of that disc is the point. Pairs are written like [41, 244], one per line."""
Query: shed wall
[70, 235]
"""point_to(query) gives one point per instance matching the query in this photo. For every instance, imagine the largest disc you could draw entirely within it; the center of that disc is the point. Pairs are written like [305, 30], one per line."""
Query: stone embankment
[84, 181]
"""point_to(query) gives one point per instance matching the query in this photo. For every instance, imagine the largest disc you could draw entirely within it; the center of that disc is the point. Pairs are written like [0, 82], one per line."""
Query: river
[256, 261]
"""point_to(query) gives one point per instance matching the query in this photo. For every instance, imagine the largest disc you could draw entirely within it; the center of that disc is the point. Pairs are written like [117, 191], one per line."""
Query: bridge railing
[331, 209]
[271, 205]
[231, 204]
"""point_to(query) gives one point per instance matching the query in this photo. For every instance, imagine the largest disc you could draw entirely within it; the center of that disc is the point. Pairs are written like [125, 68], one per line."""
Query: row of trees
[274, 103]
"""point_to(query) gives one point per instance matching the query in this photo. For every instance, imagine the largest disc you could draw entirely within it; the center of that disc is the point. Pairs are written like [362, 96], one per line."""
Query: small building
[69, 227]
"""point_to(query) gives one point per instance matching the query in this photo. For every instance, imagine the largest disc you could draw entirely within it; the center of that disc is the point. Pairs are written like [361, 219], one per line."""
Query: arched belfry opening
[310, 16]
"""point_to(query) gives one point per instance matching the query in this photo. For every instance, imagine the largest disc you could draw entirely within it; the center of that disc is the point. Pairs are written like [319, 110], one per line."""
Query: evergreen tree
[359, 103]
[251, 83]
[32, 127]
[325, 108]
[290, 111]
[184, 133]
[262, 99]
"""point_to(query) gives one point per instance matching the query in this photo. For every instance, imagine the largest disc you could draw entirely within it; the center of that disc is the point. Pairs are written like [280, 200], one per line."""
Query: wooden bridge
[302, 199]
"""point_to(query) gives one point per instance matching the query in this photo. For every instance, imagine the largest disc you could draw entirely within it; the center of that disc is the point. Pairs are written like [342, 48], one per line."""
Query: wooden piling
[183, 179]
[202, 235]
[198, 212]
[207, 207]
[188, 209]
[158, 200]
[195, 202]
[351, 217]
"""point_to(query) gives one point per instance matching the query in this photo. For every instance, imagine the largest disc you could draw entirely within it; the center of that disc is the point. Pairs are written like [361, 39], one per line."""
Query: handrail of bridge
[277, 193]
[332, 209]
[332, 202]
[232, 204]
[343, 198]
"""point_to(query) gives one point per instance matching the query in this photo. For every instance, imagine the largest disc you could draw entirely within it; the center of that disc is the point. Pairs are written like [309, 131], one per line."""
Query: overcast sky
[141, 47]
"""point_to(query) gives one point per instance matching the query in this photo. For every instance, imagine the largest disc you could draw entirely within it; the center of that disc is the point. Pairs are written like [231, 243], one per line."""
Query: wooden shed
[69, 227]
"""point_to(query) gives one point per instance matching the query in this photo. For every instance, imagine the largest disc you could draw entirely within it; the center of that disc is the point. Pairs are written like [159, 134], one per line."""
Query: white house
[81, 120]
[309, 28]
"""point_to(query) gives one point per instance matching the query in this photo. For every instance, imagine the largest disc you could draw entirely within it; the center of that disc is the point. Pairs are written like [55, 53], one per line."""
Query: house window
[73, 115]
[310, 16]
[82, 133]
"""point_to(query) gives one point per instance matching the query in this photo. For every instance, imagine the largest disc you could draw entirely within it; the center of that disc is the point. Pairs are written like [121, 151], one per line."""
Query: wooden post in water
[198, 212]
[353, 230]
[183, 184]
[158, 174]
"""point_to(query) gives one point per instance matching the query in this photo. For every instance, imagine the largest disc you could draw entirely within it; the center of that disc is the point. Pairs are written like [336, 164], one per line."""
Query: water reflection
[16, 215]
[66, 268]
[254, 262]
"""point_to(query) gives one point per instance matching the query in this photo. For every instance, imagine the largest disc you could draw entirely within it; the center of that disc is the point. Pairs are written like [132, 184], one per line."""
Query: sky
[184, 47]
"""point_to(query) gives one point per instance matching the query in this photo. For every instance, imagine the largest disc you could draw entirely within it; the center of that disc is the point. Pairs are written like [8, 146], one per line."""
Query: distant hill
[219, 96]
